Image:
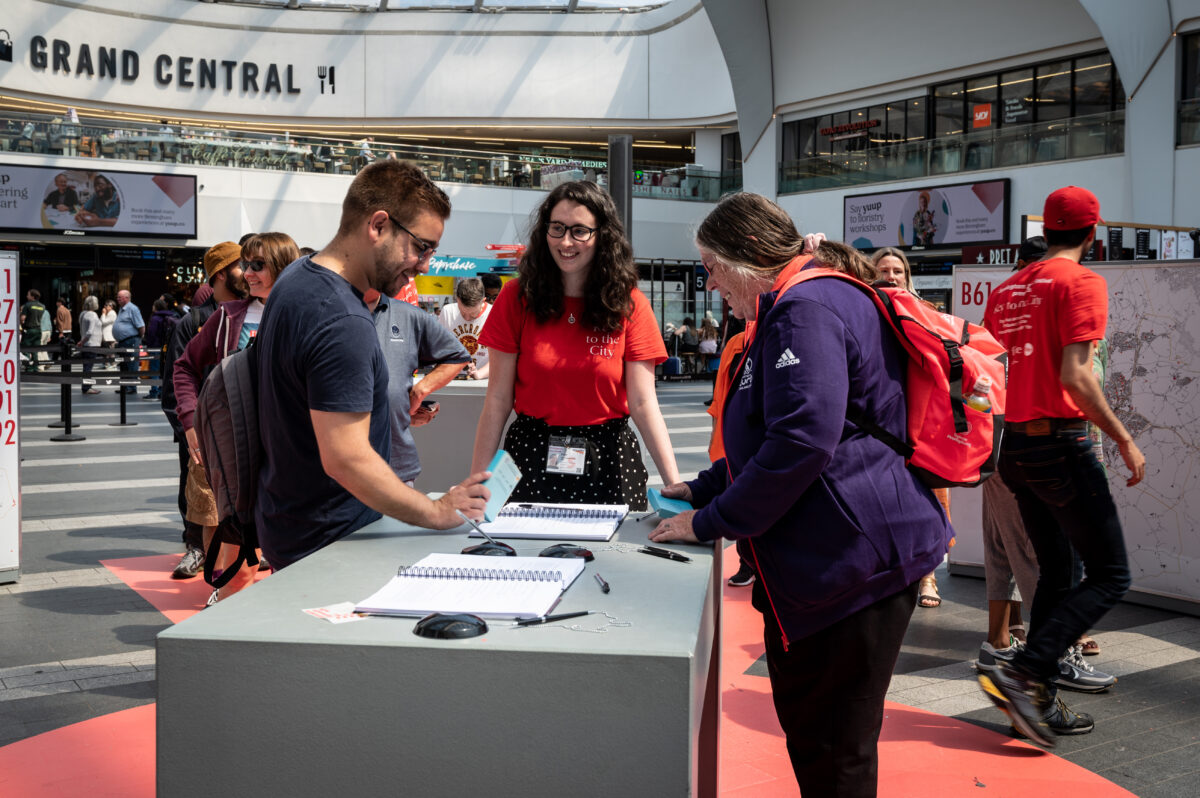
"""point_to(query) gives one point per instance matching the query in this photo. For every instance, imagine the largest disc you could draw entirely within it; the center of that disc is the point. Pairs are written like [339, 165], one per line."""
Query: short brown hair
[398, 187]
[469, 291]
[277, 249]
[845, 258]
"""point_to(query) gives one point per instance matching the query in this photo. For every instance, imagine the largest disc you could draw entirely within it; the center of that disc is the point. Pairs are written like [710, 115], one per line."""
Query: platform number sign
[10, 458]
[972, 287]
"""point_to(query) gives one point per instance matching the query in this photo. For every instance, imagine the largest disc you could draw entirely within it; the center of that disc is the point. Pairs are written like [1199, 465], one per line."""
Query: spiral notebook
[596, 522]
[518, 587]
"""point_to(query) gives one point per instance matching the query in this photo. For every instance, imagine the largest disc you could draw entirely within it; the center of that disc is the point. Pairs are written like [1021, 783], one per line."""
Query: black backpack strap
[856, 417]
[246, 551]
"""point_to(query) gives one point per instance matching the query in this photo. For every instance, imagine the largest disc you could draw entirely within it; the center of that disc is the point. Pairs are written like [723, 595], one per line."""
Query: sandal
[927, 595]
[1089, 645]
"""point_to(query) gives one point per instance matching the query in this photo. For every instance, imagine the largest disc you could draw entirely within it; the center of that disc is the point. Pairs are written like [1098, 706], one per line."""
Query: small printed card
[505, 476]
[342, 612]
[666, 507]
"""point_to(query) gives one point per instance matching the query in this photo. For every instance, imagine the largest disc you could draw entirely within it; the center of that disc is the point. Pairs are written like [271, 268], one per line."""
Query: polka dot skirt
[615, 473]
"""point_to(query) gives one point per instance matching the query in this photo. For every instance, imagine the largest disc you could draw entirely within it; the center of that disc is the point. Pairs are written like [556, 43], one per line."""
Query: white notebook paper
[492, 587]
[543, 521]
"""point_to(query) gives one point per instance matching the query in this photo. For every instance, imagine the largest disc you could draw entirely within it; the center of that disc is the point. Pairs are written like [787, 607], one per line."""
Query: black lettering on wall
[130, 65]
[37, 52]
[185, 72]
[162, 69]
[108, 62]
[83, 64]
[291, 89]
[229, 65]
[62, 52]
[250, 76]
[272, 83]
[208, 73]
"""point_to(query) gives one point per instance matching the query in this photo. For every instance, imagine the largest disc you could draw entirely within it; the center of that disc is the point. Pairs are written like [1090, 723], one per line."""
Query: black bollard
[66, 401]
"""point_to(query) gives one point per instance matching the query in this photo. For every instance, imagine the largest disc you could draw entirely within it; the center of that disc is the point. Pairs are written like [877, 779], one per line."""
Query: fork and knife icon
[322, 73]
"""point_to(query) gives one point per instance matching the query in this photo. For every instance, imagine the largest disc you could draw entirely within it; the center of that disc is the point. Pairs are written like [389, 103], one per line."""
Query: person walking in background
[128, 330]
[62, 319]
[836, 588]
[464, 318]
[89, 335]
[31, 325]
[108, 317]
[892, 268]
[1049, 316]
[158, 332]
[222, 265]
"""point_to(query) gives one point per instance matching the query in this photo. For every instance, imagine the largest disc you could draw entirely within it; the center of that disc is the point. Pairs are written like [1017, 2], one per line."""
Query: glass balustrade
[1012, 145]
[33, 134]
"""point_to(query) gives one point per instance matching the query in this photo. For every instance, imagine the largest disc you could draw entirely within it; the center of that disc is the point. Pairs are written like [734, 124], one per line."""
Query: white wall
[402, 68]
[821, 211]
[823, 50]
[1187, 188]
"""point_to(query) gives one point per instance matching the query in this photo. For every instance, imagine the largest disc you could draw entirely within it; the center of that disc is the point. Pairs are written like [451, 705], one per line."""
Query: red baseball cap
[1071, 208]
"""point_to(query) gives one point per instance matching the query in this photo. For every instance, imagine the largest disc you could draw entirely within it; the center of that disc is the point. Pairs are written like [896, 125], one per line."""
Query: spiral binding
[537, 511]
[486, 574]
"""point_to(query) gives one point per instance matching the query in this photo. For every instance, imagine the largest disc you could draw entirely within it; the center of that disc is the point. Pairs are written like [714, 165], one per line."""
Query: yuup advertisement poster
[952, 215]
[74, 202]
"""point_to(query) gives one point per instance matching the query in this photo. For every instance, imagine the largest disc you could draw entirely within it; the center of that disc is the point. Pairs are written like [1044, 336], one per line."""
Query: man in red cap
[1050, 315]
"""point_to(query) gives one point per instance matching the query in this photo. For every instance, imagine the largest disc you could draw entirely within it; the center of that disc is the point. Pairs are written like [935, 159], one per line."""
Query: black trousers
[829, 689]
[193, 534]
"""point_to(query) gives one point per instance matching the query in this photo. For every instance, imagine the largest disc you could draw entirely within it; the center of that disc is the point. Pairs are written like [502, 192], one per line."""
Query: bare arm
[643, 406]
[1080, 382]
[347, 457]
[439, 377]
[496, 406]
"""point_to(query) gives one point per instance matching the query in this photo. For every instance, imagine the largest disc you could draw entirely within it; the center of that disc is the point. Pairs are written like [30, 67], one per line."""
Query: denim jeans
[130, 363]
[1062, 492]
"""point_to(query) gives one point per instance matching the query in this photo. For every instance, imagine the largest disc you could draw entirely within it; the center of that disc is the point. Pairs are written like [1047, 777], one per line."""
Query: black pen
[669, 555]
[549, 618]
[600, 581]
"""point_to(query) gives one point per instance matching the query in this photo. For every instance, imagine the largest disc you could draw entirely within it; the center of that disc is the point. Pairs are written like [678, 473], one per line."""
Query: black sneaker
[1023, 698]
[1063, 720]
[190, 564]
[744, 576]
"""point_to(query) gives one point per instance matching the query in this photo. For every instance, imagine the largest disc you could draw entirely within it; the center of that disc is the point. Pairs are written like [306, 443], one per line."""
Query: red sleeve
[188, 372]
[502, 330]
[643, 339]
[1085, 309]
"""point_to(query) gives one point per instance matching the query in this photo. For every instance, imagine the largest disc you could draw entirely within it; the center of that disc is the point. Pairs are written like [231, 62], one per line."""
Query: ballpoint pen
[668, 555]
[600, 581]
[548, 618]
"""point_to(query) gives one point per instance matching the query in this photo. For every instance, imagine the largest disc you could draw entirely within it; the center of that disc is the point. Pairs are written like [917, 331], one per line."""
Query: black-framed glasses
[256, 265]
[579, 232]
[425, 249]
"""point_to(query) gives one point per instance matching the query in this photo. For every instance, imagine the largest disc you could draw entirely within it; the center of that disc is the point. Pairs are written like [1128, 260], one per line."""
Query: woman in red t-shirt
[573, 347]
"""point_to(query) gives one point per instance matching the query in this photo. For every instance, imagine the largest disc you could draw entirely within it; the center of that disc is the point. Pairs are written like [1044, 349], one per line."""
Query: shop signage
[981, 116]
[995, 255]
[182, 71]
[858, 128]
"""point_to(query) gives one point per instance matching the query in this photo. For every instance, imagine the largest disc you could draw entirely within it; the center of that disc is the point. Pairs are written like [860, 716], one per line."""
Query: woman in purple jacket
[838, 529]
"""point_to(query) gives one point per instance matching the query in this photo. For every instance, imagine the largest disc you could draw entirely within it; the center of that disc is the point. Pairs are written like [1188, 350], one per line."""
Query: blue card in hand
[666, 507]
[505, 476]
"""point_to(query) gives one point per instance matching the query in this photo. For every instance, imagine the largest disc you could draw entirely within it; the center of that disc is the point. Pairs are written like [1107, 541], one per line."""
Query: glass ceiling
[485, 6]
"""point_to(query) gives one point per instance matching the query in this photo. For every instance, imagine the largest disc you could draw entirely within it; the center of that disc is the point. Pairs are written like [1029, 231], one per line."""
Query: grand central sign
[185, 72]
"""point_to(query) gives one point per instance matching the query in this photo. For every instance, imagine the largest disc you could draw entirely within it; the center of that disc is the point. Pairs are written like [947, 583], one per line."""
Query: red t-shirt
[566, 374]
[1035, 314]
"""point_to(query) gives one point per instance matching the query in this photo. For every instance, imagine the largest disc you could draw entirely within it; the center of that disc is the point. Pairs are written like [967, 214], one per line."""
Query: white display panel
[10, 428]
[1153, 386]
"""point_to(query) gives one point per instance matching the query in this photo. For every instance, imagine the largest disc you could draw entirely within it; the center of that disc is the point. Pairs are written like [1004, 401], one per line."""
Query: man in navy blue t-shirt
[323, 406]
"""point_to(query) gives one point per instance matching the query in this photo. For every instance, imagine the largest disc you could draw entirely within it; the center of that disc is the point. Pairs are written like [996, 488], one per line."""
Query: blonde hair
[845, 258]
[884, 252]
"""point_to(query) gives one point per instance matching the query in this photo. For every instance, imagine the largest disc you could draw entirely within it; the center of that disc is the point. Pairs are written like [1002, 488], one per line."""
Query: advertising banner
[963, 213]
[75, 202]
[459, 266]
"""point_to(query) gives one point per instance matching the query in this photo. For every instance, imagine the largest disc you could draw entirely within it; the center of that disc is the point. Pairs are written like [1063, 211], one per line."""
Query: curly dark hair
[611, 278]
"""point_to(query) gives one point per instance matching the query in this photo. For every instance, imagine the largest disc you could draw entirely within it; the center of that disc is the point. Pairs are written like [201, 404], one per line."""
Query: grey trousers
[1010, 565]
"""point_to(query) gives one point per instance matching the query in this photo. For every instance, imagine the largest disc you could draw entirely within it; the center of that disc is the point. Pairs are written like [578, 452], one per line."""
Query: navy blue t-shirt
[317, 351]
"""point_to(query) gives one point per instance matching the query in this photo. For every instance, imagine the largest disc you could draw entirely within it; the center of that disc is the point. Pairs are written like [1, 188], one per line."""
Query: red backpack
[950, 442]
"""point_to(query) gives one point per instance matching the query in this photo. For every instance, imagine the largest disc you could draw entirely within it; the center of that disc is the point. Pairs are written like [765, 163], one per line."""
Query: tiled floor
[78, 644]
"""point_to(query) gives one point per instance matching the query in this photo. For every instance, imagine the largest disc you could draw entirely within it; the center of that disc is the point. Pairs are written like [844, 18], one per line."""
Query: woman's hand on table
[677, 528]
[678, 490]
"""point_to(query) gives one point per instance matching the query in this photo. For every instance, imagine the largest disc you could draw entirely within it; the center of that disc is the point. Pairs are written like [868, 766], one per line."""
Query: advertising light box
[952, 215]
[86, 202]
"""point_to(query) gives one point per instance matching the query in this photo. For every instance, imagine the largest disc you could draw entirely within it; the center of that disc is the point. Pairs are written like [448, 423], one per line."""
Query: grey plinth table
[255, 695]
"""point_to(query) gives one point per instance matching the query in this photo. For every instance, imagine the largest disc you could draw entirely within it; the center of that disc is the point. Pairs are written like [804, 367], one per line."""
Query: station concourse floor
[101, 532]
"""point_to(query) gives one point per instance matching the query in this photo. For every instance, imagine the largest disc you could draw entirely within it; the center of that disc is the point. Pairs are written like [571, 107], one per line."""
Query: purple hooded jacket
[831, 517]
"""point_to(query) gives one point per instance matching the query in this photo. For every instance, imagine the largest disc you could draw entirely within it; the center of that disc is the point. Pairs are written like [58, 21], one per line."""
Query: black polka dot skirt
[614, 474]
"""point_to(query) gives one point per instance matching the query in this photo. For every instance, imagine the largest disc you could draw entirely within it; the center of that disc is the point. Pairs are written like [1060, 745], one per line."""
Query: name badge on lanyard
[566, 455]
